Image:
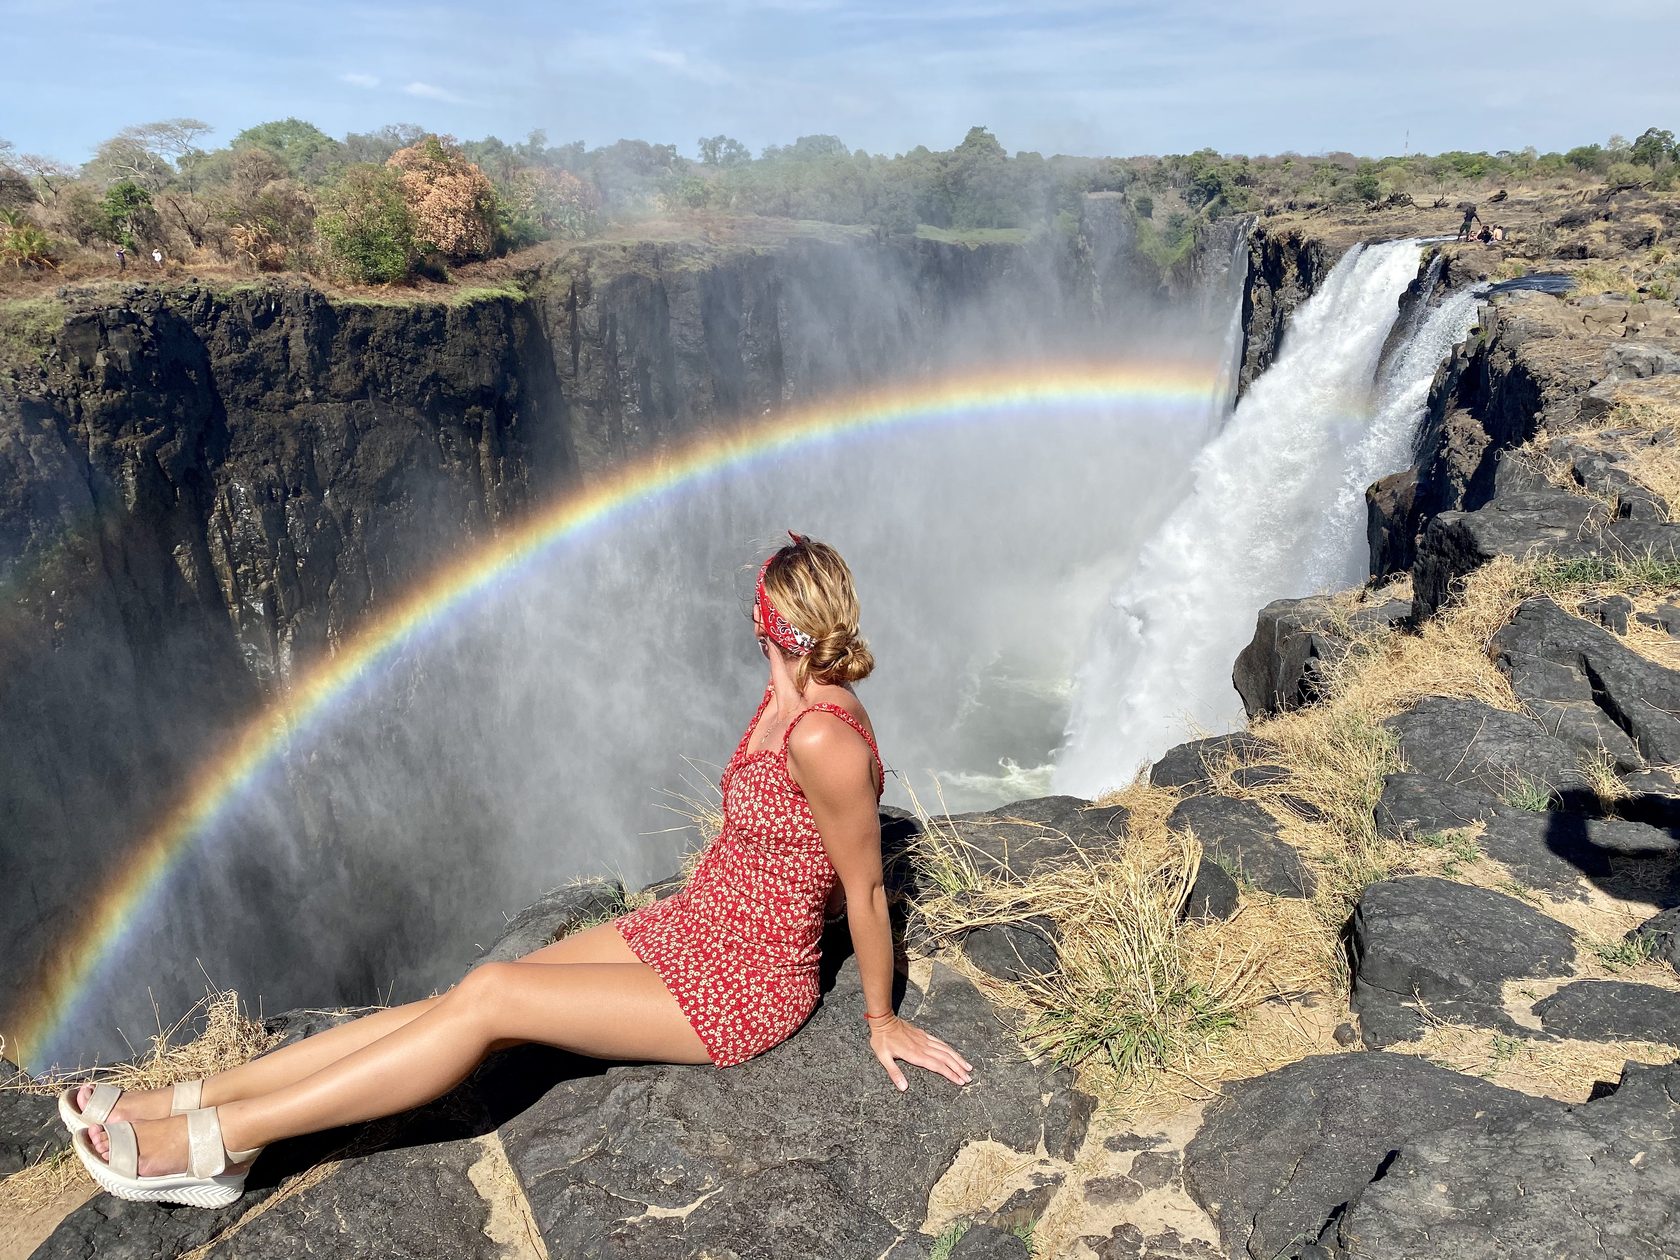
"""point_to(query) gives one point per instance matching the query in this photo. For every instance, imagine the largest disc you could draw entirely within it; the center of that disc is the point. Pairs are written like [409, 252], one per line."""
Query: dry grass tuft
[1565, 1070]
[215, 1035]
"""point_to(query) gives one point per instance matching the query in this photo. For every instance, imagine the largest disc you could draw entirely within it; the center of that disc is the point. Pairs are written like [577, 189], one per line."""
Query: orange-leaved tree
[453, 202]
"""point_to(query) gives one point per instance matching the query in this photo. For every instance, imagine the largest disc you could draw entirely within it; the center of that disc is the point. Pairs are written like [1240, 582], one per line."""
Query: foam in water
[1276, 509]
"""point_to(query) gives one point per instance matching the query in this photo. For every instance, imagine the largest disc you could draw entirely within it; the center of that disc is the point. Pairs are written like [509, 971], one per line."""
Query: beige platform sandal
[185, 1098]
[206, 1183]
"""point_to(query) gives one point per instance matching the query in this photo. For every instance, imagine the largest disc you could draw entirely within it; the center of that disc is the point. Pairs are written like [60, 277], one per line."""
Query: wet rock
[1029, 835]
[1244, 837]
[1662, 932]
[1278, 1155]
[1014, 951]
[1214, 895]
[1470, 743]
[1596, 1182]
[1590, 688]
[30, 1129]
[1427, 942]
[1186, 766]
[1611, 1010]
[812, 1128]
[559, 912]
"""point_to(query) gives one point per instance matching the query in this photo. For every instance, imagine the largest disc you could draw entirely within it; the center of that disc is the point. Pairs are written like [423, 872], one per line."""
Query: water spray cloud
[114, 909]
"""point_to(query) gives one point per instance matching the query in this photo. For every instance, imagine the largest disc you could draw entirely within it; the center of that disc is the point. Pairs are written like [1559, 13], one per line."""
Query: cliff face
[203, 490]
[1284, 269]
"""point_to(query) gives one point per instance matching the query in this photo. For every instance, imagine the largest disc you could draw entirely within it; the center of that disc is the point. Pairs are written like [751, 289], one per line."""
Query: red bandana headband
[777, 628]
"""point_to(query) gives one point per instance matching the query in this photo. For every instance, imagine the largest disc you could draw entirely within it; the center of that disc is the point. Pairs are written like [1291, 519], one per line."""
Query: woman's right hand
[894, 1038]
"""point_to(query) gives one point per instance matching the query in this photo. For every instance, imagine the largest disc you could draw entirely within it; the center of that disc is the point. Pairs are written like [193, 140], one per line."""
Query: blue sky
[1072, 76]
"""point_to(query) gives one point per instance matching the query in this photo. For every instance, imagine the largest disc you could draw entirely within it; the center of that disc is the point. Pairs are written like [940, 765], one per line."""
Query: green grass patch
[1571, 575]
[972, 236]
[1461, 849]
[941, 1249]
[1526, 793]
[1625, 953]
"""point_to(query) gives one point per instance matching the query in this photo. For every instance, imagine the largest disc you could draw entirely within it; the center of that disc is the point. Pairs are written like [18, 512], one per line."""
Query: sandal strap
[207, 1157]
[187, 1096]
[100, 1102]
[124, 1157]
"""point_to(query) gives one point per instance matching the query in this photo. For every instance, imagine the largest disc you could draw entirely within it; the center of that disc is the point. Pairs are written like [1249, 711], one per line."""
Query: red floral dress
[738, 946]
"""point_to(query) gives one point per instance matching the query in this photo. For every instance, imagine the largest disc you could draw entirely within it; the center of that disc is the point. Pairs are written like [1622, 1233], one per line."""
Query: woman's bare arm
[835, 770]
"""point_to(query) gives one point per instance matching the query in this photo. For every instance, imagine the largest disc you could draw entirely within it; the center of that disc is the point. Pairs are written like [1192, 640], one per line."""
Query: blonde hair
[811, 586]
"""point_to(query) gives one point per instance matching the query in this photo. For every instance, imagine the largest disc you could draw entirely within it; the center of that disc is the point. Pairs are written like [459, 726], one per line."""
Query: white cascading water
[1276, 509]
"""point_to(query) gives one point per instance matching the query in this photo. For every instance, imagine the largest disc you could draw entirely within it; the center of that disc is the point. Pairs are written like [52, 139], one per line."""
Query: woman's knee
[481, 993]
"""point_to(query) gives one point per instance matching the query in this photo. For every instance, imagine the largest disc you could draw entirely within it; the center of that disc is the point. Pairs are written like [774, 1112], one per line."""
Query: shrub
[541, 204]
[126, 215]
[368, 229]
[22, 242]
[452, 201]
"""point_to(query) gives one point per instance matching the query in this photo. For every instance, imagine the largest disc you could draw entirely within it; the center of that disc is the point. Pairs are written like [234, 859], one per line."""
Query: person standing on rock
[719, 972]
[122, 259]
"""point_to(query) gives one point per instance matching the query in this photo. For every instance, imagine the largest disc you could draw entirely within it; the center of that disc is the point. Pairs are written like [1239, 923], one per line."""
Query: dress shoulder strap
[849, 720]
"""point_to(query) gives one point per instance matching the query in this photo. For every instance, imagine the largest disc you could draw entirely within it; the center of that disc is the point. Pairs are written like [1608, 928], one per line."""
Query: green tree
[367, 227]
[724, 151]
[1653, 148]
[1588, 157]
[127, 215]
[304, 148]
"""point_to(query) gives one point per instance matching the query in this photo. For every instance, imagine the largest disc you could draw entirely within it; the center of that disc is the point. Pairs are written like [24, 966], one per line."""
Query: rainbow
[52, 1003]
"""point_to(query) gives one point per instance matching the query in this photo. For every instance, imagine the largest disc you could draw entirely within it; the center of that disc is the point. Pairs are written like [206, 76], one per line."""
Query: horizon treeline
[389, 205]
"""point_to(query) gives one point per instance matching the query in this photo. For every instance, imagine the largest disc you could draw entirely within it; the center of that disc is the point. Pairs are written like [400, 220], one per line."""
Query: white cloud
[431, 92]
[357, 79]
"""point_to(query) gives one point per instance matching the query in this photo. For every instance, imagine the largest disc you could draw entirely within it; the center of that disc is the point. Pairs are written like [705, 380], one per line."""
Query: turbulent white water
[1276, 509]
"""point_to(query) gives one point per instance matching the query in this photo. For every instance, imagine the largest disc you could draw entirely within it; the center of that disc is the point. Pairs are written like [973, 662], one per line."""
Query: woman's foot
[135, 1104]
[162, 1143]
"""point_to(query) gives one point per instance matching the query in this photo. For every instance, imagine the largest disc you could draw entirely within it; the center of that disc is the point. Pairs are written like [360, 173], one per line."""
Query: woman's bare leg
[289, 1064]
[606, 1010]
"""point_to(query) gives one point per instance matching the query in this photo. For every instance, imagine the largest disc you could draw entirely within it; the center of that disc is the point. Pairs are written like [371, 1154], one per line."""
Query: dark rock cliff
[1284, 269]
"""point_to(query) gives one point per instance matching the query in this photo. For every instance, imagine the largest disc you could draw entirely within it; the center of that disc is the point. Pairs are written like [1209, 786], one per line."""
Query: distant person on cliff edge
[157, 258]
[1470, 216]
[122, 259]
[718, 972]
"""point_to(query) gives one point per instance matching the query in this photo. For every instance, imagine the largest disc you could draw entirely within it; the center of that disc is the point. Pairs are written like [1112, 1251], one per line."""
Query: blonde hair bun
[812, 587]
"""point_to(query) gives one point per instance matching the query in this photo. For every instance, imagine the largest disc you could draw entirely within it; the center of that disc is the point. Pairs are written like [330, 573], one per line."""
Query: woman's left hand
[893, 1039]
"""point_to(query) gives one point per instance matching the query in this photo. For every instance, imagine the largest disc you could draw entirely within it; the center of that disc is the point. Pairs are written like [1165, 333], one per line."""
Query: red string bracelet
[883, 1015]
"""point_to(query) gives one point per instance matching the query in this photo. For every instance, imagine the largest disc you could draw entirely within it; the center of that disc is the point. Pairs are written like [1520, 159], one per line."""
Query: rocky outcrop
[1599, 1181]
[1432, 944]
[1295, 640]
[1242, 837]
[1279, 1157]
[1283, 271]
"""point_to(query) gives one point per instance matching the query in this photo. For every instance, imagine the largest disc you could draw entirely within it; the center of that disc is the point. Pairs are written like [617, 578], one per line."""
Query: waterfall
[1275, 508]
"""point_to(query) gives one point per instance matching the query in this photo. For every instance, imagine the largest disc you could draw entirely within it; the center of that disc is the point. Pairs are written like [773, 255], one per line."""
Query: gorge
[311, 600]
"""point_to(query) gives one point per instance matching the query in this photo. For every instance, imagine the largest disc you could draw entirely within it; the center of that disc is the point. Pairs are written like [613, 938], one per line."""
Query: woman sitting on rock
[721, 971]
